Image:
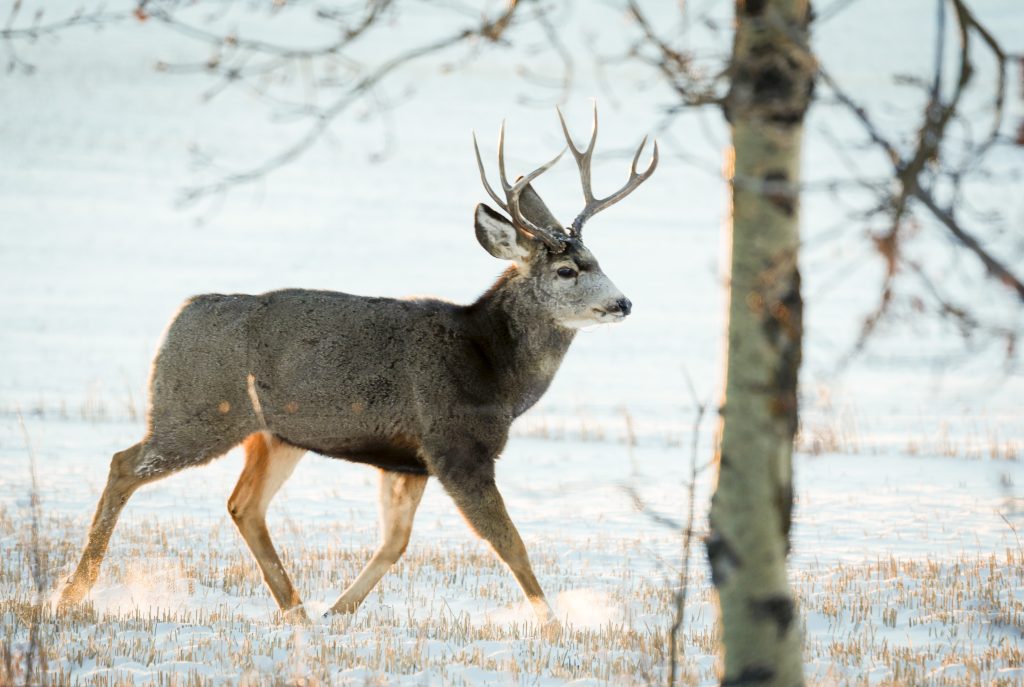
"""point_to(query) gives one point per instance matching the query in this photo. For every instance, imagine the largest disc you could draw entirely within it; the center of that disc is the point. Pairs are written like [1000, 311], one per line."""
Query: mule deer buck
[416, 388]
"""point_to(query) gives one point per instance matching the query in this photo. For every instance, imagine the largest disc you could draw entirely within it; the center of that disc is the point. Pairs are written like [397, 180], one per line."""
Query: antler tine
[582, 157]
[555, 243]
[483, 177]
[521, 182]
[635, 179]
[636, 159]
[501, 159]
[512, 192]
[593, 205]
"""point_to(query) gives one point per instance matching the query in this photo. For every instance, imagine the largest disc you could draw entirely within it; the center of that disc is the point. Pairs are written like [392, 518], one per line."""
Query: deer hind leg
[400, 495]
[129, 470]
[268, 464]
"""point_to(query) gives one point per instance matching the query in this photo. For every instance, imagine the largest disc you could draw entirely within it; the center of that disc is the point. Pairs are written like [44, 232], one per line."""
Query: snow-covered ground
[906, 557]
[904, 568]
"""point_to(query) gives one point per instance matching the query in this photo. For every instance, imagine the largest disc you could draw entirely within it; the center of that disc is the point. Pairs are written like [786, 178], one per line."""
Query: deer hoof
[551, 630]
[296, 615]
[70, 594]
[340, 608]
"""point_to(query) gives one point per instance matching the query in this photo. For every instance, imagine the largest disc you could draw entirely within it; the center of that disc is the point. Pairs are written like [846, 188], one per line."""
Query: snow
[920, 535]
[905, 567]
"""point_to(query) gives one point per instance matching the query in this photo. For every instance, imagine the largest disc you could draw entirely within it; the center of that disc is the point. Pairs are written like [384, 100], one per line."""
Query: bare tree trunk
[772, 74]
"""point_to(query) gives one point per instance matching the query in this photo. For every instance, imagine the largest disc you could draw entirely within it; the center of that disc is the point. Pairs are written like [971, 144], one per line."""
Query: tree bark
[772, 76]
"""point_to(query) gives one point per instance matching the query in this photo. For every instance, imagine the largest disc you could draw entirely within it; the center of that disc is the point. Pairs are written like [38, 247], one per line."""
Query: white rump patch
[256, 406]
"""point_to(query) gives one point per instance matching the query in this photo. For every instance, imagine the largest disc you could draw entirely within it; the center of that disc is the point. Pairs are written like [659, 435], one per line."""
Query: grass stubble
[171, 612]
[180, 602]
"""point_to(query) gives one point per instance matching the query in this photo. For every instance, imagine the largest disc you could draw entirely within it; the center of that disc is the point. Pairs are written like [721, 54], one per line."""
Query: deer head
[554, 267]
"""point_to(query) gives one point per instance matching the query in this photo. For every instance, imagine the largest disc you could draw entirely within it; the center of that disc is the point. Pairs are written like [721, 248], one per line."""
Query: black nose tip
[625, 305]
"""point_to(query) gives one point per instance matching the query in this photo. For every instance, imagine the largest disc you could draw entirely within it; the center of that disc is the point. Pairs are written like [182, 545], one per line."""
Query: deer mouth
[608, 315]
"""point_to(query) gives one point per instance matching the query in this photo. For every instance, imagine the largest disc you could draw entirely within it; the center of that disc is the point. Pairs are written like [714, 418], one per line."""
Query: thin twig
[684, 571]
[322, 122]
[908, 171]
[490, 30]
[1013, 528]
[35, 654]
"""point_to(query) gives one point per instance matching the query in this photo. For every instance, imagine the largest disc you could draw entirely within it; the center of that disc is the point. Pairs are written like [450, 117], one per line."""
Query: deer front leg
[470, 483]
[400, 495]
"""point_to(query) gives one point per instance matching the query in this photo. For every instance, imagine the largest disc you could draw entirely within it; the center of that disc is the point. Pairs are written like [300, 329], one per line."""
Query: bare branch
[565, 80]
[323, 120]
[38, 29]
[10, 34]
[908, 171]
[675, 66]
[996, 268]
[364, 81]
[491, 30]
[375, 8]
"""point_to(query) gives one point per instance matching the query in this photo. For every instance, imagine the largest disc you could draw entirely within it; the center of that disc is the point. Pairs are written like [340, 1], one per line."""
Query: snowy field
[904, 570]
[906, 557]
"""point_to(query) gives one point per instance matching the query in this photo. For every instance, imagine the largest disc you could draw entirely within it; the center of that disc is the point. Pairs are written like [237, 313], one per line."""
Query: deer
[416, 388]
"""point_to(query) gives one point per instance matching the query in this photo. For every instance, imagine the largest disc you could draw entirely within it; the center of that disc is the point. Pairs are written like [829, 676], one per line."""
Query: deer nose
[624, 305]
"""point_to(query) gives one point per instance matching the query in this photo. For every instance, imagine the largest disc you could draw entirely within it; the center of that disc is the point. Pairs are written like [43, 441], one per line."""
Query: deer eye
[566, 272]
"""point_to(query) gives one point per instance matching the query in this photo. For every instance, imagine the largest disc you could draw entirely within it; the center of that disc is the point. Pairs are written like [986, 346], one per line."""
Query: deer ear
[497, 235]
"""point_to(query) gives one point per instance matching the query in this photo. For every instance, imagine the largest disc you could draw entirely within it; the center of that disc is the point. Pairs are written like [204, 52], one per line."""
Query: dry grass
[197, 613]
[839, 431]
[181, 602]
[174, 610]
[834, 436]
[825, 427]
[959, 622]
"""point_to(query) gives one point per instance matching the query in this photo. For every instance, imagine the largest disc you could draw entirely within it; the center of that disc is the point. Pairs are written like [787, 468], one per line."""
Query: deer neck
[524, 345]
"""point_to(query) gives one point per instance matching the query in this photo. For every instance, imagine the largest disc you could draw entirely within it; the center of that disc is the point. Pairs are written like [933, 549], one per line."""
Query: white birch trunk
[771, 80]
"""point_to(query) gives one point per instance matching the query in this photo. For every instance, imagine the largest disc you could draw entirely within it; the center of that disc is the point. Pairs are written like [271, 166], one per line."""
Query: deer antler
[511, 204]
[595, 205]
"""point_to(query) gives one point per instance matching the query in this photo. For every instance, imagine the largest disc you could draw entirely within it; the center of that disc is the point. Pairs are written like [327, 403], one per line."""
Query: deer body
[371, 380]
[417, 388]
